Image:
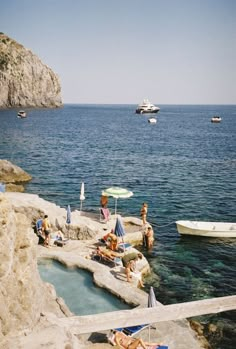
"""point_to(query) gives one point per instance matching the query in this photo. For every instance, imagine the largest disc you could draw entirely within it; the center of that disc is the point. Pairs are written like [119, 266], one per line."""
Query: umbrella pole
[81, 206]
[124, 246]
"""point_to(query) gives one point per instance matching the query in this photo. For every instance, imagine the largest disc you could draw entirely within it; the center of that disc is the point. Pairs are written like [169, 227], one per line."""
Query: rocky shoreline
[30, 308]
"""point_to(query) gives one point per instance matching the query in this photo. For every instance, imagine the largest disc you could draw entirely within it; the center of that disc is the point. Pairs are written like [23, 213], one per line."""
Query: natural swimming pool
[77, 289]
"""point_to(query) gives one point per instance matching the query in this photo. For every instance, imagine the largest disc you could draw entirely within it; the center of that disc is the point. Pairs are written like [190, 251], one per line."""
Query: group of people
[45, 233]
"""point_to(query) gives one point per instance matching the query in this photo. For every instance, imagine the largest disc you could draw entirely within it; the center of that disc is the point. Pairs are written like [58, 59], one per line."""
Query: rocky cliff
[24, 298]
[24, 80]
[12, 176]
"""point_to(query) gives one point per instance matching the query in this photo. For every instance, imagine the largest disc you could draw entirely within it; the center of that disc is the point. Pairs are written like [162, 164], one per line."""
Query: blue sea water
[184, 167]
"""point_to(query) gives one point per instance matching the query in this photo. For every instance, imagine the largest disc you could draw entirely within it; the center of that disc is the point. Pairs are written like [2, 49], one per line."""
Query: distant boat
[146, 107]
[21, 114]
[207, 229]
[152, 120]
[216, 119]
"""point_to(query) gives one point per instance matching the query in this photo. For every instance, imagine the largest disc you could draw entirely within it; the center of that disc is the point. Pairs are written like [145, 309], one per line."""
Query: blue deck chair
[132, 330]
[124, 246]
[39, 225]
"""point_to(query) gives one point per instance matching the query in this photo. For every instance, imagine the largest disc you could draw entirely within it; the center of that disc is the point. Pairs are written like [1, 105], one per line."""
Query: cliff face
[24, 80]
[24, 298]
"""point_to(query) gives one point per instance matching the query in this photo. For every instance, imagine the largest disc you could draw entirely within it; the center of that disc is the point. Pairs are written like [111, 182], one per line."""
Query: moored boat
[21, 114]
[207, 229]
[147, 107]
[152, 120]
[216, 119]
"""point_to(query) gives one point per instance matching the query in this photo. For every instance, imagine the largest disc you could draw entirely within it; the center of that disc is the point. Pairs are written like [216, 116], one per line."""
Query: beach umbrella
[82, 197]
[68, 215]
[117, 193]
[119, 230]
[152, 302]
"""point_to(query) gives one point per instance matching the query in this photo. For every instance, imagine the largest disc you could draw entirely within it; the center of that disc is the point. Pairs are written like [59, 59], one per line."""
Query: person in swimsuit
[46, 231]
[129, 262]
[127, 342]
[149, 238]
[143, 212]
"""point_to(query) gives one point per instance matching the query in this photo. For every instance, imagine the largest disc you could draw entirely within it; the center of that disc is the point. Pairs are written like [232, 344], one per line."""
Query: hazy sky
[121, 51]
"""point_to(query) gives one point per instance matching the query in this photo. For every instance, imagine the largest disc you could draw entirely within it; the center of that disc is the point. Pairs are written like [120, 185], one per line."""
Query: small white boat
[207, 229]
[21, 114]
[146, 107]
[216, 119]
[152, 120]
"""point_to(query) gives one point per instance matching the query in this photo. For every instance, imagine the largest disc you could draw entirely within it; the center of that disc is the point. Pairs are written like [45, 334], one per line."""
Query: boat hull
[216, 119]
[152, 120]
[143, 111]
[21, 114]
[207, 229]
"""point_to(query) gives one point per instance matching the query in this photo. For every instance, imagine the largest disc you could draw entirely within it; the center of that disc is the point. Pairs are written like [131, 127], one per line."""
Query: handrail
[137, 316]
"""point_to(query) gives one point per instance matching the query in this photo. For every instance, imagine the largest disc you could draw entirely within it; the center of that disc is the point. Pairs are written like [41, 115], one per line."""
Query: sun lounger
[124, 246]
[104, 258]
[61, 243]
[132, 330]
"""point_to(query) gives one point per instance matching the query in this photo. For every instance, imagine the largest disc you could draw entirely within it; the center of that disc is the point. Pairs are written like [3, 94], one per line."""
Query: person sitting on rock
[129, 262]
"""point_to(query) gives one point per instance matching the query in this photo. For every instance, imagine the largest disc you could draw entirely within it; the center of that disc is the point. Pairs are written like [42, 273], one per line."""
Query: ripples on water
[184, 167]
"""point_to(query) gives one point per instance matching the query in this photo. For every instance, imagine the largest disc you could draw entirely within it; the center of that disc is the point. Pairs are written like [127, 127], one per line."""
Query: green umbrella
[117, 193]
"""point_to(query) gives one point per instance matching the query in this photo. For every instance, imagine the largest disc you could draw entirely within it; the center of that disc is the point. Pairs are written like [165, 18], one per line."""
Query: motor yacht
[147, 107]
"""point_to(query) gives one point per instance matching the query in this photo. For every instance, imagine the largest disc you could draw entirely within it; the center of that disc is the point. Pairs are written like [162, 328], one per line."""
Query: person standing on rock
[46, 230]
[143, 213]
[149, 238]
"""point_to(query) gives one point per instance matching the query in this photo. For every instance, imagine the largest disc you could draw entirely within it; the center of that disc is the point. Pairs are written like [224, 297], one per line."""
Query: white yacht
[147, 107]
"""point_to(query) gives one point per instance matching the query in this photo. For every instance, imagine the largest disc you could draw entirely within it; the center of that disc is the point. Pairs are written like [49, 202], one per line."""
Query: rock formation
[23, 295]
[24, 80]
[11, 175]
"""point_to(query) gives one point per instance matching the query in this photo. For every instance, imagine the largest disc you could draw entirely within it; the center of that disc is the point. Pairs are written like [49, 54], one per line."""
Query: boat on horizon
[146, 107]
[207, 229]
[216, 119]
[21, 114]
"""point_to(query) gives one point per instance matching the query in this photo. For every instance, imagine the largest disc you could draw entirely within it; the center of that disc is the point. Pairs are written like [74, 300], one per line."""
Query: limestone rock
[10, 173]
[15, 188]
[24, 80]
[23, 295]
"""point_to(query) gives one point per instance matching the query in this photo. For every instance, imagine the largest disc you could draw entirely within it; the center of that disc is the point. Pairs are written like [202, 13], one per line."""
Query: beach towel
[105, 212]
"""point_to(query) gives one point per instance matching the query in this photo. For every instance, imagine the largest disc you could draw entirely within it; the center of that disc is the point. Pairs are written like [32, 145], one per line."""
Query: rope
[165, 225]
[132, 215]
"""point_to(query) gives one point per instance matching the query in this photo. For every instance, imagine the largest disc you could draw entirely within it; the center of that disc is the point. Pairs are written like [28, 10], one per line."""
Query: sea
[183, 166]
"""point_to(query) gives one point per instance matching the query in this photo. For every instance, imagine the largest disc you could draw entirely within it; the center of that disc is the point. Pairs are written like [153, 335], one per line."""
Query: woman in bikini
[126, 342]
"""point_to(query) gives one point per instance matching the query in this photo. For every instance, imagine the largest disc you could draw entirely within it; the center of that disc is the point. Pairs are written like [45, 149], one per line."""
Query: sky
[122, 51]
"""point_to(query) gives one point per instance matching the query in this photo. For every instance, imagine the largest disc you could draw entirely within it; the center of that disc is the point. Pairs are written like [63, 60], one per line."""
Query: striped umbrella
[117, 193]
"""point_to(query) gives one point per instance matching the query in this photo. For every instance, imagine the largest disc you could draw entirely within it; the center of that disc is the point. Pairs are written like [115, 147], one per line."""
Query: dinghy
[207, 229]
